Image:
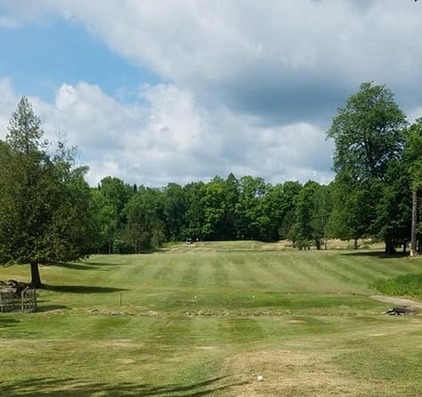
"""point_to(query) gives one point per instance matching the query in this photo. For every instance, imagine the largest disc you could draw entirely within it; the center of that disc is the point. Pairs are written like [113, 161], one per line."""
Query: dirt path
[398, 301]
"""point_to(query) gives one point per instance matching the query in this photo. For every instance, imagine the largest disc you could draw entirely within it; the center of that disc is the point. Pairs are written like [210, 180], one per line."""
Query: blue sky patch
[39, 58]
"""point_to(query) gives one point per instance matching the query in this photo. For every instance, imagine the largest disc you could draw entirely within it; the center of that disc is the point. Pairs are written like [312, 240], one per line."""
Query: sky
[160, 91]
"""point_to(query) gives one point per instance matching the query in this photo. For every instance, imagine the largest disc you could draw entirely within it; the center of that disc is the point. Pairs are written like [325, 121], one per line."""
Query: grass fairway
[207, 319]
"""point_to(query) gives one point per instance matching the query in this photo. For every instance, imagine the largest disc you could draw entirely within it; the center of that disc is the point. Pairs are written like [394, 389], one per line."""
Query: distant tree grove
[49, 214]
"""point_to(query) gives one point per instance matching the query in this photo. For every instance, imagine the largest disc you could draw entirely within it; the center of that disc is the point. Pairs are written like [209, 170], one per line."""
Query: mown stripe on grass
[345, 278]
[186, 274]
[245, 274]
[162, 273]
[366, 268]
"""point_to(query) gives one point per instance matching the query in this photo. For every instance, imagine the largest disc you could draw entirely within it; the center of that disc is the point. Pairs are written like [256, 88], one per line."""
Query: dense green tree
[45, 211]
[116, 194]
[287, 208]
[394, 213]
[304, 232]
[252, 209]
[175, 207]
[145, 227]
[105, 220]
[214, 207]
[195, 214]
[353, 210]
[321, 210]
[273, 212]
[369, 133]
[413, 162]
[231, 198]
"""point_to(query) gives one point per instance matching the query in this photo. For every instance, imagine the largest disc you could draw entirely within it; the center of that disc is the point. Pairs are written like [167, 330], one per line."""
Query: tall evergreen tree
[45, 212]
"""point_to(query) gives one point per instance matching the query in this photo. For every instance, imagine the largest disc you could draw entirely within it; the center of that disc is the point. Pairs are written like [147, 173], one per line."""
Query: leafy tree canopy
[368, 133]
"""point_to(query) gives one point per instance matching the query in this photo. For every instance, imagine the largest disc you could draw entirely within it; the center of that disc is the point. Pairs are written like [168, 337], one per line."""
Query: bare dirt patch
[394, 300]
[287, 373]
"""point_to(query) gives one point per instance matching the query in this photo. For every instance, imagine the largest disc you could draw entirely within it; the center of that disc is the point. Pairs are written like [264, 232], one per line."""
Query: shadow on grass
[75, 388]
[375, 254]
[82, 289]
[41, 308]
[84, 265]
[8, 322]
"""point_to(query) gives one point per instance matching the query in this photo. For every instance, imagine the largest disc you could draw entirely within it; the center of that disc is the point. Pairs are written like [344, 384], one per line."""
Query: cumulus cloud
[276, 58]
[248, 87]
[168, 138]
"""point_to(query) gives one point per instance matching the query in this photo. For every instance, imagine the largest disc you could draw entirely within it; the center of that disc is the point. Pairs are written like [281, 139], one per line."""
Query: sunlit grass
[205, 319]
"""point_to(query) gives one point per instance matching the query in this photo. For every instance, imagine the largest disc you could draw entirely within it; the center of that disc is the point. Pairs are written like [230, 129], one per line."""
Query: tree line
[48, 212]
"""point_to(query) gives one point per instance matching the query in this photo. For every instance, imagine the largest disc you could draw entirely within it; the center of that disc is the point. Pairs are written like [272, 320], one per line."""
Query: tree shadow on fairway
[8, 322]
[82, 289]
[84, 266]
[50, 308]
[375, 254]
[75, 388]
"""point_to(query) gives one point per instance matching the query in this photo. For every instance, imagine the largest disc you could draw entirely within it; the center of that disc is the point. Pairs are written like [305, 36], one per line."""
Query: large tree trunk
[413, 242]
[35, 276]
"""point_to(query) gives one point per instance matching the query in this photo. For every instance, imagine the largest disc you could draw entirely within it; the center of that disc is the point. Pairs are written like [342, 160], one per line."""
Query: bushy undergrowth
[404, 285]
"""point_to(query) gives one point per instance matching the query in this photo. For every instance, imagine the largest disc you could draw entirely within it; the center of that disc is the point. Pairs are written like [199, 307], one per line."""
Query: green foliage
[45, 209]
[322, 207]
[250, 210]
[287, 208]
[403, 285]
[145, 228]
[105, 220]
[195, 211]
[24, 131]
[110, 200]
[369, 134]
[213, 203]
[393, 207]
[175, 207]
[312, 212]
[413, 153]
[377, 161]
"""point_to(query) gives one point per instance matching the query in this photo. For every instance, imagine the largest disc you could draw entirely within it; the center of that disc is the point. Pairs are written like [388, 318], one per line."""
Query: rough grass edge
[404, 285]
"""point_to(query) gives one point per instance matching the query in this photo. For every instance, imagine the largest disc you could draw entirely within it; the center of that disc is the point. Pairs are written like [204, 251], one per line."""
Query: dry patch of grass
[292, 373]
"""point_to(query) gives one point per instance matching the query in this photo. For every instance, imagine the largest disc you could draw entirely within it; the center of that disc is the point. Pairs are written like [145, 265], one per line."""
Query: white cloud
[170, 139]
[250, 86]
[8, 102]
[197, 43]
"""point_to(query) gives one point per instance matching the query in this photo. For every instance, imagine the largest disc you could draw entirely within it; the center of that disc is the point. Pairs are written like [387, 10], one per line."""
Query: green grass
[207, 319]
[404, 285]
